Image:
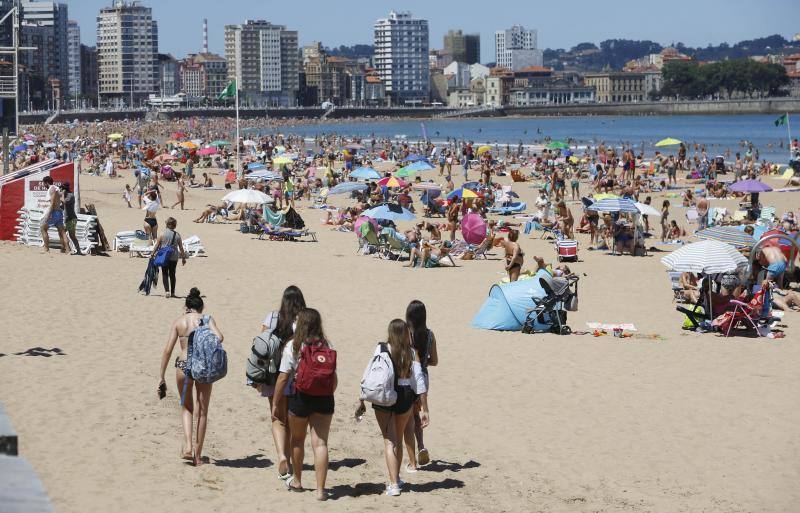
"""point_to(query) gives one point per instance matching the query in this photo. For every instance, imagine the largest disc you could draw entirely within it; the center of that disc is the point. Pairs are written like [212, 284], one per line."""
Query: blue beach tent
[505, 308]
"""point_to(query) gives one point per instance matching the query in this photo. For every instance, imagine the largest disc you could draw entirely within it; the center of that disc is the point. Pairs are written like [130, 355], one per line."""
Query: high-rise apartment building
[127, 53]
[265, 61]
[516, 48]
[169, 76]
[204, 75]
[463, 47]
[44, 27]
[401, 57]
[89, 78]
[73, 60]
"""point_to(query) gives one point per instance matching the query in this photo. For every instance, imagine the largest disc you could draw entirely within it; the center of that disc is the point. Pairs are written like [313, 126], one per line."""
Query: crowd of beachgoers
[435, 203]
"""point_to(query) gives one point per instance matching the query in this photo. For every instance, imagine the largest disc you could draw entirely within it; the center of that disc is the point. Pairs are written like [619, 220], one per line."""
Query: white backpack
[378, 382]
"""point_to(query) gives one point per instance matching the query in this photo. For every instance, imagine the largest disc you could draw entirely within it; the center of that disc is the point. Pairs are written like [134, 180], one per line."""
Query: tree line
[724, 79]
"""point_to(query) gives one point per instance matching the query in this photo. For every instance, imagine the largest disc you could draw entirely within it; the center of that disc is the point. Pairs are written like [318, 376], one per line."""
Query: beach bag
[208, 362]
[378, 381]
[265, 358]
[316, 372]
[244, 228]
[164, 254]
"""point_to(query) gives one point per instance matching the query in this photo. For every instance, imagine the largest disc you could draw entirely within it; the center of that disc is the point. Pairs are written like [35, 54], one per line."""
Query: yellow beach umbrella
[115, 137]
[189, 145]
[483, 149]
[669, 141]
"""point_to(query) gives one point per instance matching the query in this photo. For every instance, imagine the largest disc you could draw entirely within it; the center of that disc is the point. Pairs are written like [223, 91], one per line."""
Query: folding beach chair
[677, 289]
[392, 245]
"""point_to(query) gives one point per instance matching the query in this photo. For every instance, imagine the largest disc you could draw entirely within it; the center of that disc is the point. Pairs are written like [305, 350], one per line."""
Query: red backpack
[316, 372]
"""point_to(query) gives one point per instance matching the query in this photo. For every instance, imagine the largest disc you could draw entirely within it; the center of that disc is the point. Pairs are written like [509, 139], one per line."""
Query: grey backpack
[265, 358]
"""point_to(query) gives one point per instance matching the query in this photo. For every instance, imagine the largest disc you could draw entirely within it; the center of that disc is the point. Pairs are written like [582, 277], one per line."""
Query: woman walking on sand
[170, 238]
[282, 324]
[180, 193]
[664, 220]
[311, 364]
[409, 382]
[195, 404]
[424, 342]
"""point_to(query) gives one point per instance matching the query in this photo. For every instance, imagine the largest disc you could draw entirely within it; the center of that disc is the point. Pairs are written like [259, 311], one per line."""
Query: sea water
[720, 134]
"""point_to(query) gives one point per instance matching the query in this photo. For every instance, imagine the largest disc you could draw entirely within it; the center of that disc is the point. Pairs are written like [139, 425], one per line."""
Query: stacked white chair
[28, 230]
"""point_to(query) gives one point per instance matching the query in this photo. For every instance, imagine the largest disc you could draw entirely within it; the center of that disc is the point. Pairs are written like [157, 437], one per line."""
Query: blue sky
[561, 24]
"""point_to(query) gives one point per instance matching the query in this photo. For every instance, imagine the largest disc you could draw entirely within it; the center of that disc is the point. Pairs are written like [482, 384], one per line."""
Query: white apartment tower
[73, 59]
[264, 59]
[516, 48]
[127, 53]
[401, 57]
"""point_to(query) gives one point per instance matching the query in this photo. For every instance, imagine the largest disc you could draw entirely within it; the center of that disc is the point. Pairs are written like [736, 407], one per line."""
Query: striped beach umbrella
[727, 234]
[706, 257]
[614, 205]
[392, 182]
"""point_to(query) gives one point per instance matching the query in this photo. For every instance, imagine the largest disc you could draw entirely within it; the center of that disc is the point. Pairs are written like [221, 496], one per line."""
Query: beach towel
[150, 278]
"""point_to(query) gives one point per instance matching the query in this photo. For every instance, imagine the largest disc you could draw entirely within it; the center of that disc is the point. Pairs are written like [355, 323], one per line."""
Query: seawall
[664, 108]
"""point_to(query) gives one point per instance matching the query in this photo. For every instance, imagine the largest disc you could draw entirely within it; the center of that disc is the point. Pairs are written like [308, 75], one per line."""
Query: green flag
[229, 91]
[782, 120]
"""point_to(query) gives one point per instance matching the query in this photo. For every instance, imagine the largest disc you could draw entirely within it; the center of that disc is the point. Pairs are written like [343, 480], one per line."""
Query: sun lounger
[28, 230]
[512, 208]
[140, 248]
[277, 234]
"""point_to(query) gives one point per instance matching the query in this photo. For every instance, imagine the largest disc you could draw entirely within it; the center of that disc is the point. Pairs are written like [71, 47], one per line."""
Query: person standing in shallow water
[194, 410]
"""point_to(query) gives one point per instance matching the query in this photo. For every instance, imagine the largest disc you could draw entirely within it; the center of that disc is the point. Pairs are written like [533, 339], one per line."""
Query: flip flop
[289, 486]
[411, 469]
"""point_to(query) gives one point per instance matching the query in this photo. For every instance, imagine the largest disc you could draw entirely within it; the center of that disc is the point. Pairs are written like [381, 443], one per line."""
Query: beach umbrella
[473, 228]
[254, 166]
[219, 144]
[347, 187]
[405, 172]
[647, 210]
[462, 193]
[246, 196]
[264, 174]
[178, 135]
[21, 147]
[391, 212]
[706, 257]
[420, 165]
[189, 145]
[749, 186]
[207, 151]
[280, 161]
[784, 243]
[249, 142]
[365, 173]
[133, 142]
[727, 234]
[359, 226]
[414, 158]
[115, 137]
[669, 141]
[614, 205]
[483, 149]
[391, 182]
[558, 145]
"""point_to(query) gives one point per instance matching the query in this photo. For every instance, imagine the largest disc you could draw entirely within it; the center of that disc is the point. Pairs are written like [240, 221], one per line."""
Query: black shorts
[303, 405]
[151, 221]
[405, 400]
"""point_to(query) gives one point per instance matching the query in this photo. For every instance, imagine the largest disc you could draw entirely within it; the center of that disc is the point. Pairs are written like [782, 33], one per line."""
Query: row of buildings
[125, 68]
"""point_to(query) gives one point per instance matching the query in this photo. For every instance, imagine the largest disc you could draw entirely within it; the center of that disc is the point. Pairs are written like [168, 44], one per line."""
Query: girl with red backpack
[310, 362]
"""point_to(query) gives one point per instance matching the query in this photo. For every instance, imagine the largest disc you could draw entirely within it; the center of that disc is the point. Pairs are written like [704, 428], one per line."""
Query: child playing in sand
[126, 195]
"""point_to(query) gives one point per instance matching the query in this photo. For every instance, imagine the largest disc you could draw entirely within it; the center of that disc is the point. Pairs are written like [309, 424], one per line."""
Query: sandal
[291, 488]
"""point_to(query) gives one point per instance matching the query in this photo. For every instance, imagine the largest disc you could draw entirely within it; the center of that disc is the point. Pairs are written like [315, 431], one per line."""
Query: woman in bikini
[452, 218]
[180, 193]
[152, 204]
[565, 219]
[514, 255]
[194, 406]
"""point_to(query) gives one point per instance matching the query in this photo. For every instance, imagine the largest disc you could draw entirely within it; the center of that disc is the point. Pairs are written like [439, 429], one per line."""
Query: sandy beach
[676, 422]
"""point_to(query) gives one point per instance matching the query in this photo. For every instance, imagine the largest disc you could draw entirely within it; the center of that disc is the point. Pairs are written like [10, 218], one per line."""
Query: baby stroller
[567, 250]
[561, 296]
